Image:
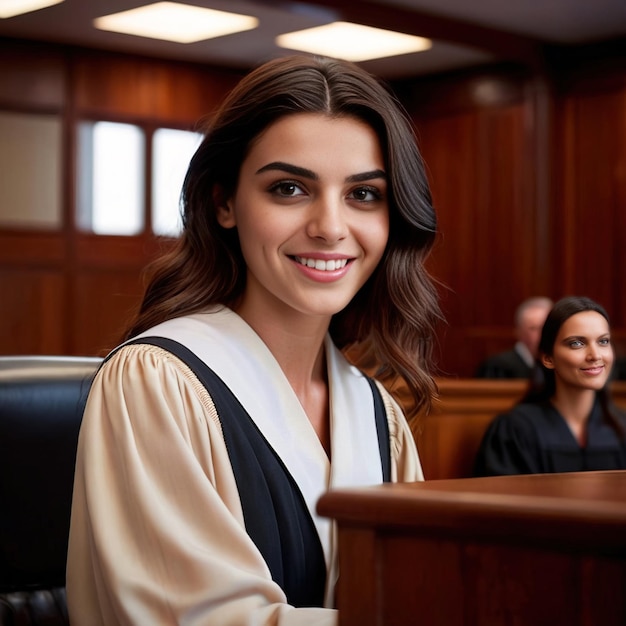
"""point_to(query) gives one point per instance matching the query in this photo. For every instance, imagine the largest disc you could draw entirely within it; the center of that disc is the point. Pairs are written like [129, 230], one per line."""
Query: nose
[593, 352]
[327, 220]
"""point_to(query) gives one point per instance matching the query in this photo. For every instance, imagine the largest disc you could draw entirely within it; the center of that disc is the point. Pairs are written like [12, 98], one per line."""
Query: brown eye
[286, 189]
[366, 194]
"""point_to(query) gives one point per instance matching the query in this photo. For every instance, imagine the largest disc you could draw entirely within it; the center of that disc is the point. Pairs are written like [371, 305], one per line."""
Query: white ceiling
[465, 32]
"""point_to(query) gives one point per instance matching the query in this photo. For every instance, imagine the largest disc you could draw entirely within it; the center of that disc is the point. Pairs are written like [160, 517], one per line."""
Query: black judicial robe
[507, 364]
[535, 439]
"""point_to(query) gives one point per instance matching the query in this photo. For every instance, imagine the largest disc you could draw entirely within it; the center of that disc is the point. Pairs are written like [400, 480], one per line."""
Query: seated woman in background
[567, 421]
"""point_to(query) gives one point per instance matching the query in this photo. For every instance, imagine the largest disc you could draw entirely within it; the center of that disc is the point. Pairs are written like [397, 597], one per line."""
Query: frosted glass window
[171, 152]
[111, 178]
[30, 171]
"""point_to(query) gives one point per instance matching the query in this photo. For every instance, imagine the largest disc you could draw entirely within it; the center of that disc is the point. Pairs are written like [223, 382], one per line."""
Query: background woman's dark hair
[543, 381]
[394, 314]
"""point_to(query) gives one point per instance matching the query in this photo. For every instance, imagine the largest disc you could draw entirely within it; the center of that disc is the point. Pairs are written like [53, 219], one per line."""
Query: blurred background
[519, 108]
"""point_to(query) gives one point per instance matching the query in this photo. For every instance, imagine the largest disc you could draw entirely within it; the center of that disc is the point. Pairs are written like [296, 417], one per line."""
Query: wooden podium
[535, 550]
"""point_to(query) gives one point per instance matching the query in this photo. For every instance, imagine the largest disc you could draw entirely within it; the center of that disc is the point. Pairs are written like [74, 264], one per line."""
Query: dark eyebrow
[585, 338]
[290, 169]
[361, 178]
[306, 173]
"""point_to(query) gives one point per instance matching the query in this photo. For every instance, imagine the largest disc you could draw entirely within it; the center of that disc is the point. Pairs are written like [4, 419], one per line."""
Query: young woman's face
[311, 212]
[583, 355]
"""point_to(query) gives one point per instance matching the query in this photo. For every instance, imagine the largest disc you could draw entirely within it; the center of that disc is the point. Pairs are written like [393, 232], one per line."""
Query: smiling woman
[567, 421]
[210, 435]
[312, 217]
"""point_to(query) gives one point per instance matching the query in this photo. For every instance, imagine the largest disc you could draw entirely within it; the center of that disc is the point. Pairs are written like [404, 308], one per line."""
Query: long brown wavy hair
[392, 318]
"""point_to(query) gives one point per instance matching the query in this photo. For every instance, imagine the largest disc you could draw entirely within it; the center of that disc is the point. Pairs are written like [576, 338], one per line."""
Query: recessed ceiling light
[352, 42]
[9, 8]
[172, 21]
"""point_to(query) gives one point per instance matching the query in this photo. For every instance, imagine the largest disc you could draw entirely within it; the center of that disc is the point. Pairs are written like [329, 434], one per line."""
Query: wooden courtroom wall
[66, 291]
[528, 172]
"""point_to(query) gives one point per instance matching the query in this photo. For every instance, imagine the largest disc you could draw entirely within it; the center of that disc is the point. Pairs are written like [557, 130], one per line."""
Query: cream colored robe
[157, 531]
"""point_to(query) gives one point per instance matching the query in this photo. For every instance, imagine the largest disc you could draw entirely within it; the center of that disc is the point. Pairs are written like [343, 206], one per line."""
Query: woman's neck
[574, 405]
[575, 408]
[297, 343]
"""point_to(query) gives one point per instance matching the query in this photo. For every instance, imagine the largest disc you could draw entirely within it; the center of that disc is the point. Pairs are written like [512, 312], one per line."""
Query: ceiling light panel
[173, 21]
[353, 42]
[9, 8]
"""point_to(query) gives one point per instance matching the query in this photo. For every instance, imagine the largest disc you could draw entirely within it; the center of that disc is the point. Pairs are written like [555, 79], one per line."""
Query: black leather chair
[41, 407]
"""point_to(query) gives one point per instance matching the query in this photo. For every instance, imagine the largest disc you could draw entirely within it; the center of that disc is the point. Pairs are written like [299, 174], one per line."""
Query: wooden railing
[483, 551]
[449, 437]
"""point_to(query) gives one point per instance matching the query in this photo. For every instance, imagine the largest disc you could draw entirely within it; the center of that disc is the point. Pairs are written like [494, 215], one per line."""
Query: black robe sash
[275, 513]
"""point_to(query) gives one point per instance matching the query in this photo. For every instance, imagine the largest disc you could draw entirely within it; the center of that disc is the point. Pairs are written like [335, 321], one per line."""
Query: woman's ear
[547, 361]
[223, 208]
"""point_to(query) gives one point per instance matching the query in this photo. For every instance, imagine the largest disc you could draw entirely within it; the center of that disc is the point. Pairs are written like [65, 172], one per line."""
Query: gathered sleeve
[405, 463]
[157, 532]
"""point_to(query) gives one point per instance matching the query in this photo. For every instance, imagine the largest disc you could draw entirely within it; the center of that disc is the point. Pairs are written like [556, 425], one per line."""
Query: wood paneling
[32, 75]
[145, 88]
[104, 301]
[479, 175]
[31, 248]
[592, 213]
[483, 551]
[33, 311]
[68, 292]
[448, 438]
[529, 183]
[527, 170]
[114, 252]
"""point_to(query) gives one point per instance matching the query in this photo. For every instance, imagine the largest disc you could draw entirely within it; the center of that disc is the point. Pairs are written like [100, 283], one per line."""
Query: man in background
[519, 361]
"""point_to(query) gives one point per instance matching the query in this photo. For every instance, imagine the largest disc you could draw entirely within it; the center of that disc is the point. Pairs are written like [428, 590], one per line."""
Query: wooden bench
[449, 437]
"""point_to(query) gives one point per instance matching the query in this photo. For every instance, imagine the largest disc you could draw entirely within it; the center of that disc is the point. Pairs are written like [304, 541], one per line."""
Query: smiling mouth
[320, 264]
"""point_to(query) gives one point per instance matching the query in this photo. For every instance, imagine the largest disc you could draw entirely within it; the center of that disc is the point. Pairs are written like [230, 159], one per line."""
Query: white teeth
[319, 264]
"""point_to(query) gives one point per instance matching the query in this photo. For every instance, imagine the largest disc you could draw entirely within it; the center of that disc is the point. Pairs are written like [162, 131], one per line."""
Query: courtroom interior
[520, 116]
